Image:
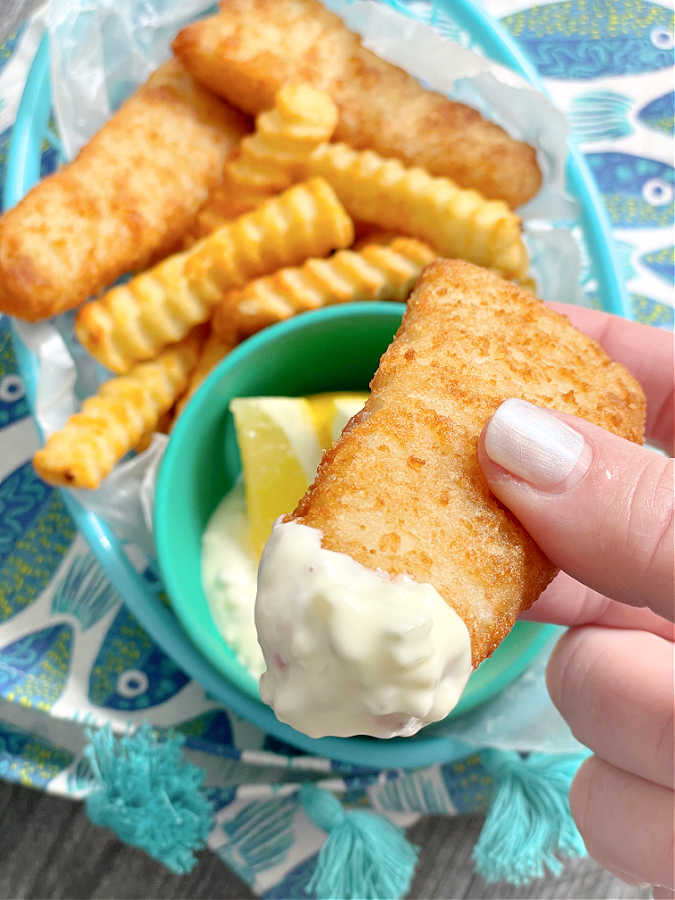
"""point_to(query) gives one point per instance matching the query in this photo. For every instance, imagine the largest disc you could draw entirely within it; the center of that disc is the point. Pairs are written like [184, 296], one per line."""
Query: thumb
[600, 507]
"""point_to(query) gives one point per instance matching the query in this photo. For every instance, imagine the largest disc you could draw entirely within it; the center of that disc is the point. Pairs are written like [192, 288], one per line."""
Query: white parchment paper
[101, 50]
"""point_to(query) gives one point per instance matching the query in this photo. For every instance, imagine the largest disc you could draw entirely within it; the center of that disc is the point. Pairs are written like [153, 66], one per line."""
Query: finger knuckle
[650, 526]
[566, 670]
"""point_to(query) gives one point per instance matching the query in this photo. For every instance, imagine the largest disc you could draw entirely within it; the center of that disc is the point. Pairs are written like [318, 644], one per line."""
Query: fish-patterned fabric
[70, 652]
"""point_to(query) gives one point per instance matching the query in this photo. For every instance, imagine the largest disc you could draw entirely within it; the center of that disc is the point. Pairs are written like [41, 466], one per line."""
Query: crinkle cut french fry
[457, 223]
[226, 201]
[302, 118]
[134, 321]
[215, 349]
[376, 272]
[113, 421]
[266, 162]
[163, 426]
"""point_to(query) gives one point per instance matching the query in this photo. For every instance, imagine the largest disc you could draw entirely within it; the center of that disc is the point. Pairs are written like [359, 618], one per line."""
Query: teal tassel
[148, 795]
[364, 855]
[529, 823]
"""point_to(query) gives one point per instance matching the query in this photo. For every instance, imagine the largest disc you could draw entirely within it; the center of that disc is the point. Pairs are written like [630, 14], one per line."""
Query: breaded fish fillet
[247, 51]
[402, 490]
[127, 197]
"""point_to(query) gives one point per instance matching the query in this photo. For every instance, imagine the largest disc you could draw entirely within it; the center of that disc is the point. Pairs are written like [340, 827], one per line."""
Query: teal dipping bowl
[337, 348]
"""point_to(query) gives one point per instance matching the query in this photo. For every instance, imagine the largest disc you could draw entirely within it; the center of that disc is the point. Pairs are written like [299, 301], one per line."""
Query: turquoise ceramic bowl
[337, 348]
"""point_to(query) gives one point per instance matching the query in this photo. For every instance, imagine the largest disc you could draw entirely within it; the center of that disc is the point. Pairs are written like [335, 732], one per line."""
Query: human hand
[601, 508]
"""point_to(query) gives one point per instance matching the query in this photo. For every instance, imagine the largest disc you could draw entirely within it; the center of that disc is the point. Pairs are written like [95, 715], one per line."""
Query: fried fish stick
[487, 340]
[400, 506]
[375, 272]
[247, 51]
[127, 197]
[134, 321]
[113, 422]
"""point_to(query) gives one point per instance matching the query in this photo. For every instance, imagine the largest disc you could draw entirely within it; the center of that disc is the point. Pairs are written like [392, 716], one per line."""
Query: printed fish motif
[468, 783]
[577, 39]
[423, 791]
[35, 532]
[34, 668]
[84, 592]
[29, 759]
[638, 192]
[294, 883]
[13, 404]
[661, 263]
[600, 116]
[130, 672]
[659, 114]
[211, 727]
[651, 312]
[259, 836]
[606, 115]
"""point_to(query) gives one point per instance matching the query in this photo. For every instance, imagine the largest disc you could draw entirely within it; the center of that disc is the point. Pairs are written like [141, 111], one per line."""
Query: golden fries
[215, 349]
[134, 321]
[384, 192]
[266, 161]
[302, 118]
[111, 423]
[457, 223]
[376, 272]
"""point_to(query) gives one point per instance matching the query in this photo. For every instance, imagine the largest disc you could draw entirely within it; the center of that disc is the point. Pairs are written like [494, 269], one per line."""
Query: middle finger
[615, 689]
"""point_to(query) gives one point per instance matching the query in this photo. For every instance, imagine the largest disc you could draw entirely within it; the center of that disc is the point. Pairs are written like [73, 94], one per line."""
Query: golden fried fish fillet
[251, 47]
[128, 196]
[402, 490]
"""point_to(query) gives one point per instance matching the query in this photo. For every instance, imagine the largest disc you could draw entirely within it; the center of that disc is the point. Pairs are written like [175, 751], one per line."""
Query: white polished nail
[533, 444]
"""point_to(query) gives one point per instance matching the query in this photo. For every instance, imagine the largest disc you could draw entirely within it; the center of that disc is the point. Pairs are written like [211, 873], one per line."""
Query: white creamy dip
[229, 571]
[350, 650]
[228, 563]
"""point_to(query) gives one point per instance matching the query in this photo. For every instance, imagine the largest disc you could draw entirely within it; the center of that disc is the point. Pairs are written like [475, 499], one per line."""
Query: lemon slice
[279, 454]
[280, 442]
[332, 412]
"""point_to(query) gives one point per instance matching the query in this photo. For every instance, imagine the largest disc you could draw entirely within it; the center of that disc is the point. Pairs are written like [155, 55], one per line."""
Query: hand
[601, 508]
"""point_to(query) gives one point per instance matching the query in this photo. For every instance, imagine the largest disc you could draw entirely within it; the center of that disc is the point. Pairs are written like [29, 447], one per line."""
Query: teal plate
[23, 170]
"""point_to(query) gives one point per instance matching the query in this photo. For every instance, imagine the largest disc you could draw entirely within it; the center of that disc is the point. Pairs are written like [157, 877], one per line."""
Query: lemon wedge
[280, 442]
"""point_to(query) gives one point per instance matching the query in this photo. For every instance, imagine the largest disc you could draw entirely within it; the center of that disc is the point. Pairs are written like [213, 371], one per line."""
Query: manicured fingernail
[532, 444]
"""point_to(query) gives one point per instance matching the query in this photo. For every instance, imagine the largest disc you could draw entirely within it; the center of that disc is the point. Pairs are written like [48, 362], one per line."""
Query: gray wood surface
[49, 849]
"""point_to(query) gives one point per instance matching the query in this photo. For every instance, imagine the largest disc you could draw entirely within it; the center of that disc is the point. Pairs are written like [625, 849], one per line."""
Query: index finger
[645, 351]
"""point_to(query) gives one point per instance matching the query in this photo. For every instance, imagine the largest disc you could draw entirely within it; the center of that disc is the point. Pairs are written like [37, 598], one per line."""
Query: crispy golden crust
[253, 46]
[127, 197]
[402, 490]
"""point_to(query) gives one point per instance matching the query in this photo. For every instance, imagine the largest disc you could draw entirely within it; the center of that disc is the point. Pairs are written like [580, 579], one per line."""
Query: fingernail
[532, 444]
